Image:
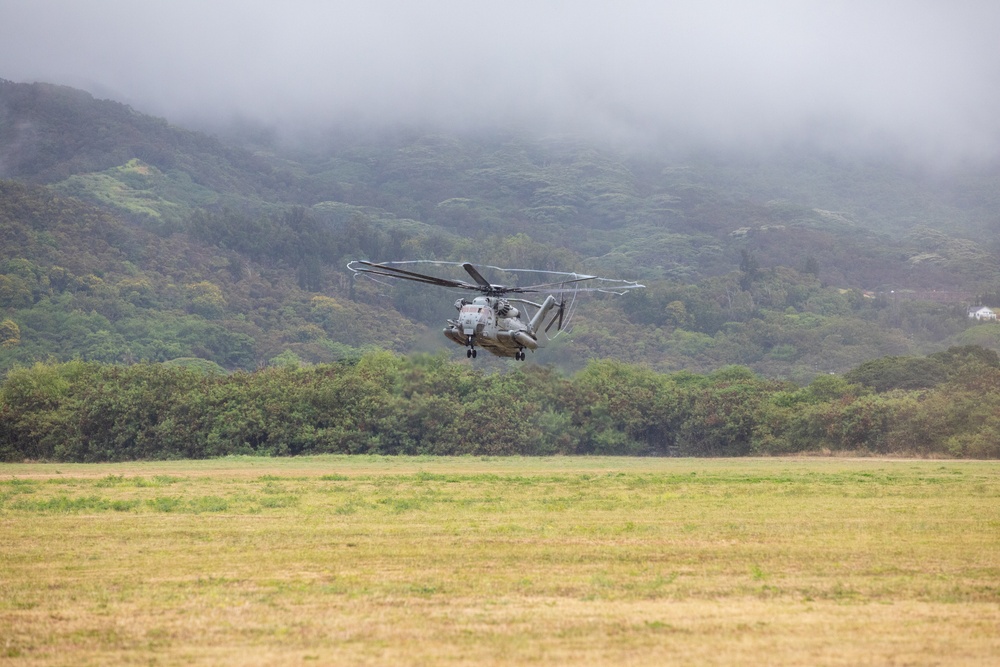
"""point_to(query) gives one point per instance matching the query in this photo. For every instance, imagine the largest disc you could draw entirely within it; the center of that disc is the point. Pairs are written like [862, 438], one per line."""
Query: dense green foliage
[385, 404]
[77, 282]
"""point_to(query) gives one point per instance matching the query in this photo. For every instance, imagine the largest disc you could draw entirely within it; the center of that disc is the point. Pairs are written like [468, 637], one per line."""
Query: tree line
[947, 404]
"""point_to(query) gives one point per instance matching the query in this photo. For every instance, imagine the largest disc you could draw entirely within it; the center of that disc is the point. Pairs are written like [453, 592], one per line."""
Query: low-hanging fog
[922, 76]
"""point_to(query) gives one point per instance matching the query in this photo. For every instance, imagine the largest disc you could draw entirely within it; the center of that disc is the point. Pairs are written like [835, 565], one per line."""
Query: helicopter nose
[469, 320]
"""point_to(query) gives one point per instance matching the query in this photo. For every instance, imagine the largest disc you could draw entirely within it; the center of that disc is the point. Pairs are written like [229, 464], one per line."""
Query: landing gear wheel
[468, 354]
[474, 354]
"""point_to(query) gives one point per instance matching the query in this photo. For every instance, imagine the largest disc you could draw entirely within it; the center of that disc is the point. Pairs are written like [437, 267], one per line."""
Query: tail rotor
[558, 317]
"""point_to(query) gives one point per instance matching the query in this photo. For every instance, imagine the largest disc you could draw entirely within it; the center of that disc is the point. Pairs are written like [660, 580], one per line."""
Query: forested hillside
[127, 239]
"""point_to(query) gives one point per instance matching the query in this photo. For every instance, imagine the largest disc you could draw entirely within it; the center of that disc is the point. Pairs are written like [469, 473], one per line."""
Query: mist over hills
[851, 76]
[126, 237]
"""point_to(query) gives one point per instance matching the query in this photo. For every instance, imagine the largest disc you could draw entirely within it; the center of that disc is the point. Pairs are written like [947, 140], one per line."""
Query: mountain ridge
[746, 261]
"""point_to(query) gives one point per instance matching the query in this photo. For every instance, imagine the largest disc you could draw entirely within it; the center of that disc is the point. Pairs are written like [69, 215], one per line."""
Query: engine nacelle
[507, 310]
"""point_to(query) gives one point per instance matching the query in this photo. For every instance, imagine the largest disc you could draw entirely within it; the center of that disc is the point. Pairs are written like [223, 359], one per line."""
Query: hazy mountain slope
[49, 133]
[199, 248]
[680, 217]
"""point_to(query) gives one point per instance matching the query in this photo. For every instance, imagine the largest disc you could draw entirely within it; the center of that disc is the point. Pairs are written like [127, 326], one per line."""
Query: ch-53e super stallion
[492, 321]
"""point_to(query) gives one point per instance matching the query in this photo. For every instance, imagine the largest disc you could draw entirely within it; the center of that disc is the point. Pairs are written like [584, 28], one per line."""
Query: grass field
[428, 561]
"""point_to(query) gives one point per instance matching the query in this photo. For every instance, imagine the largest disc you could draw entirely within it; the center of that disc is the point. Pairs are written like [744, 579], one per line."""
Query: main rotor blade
[544, 286]
[393, 272]
[425, 281]
[564, 286]
[478, 277]
[604, 290]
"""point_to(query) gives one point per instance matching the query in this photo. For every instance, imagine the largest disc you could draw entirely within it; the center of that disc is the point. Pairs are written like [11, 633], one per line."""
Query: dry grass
[590, 561]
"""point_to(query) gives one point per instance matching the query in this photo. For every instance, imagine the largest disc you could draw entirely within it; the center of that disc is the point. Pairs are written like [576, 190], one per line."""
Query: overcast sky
[924, 74]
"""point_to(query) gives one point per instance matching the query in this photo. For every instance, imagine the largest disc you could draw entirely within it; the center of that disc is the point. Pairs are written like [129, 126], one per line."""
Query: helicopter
[492, 321]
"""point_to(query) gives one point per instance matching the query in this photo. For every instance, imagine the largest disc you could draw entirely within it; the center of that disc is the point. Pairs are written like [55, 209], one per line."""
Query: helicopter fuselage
[493, 324]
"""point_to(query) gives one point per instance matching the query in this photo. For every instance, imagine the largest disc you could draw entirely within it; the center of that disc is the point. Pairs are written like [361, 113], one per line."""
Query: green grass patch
[501, 561]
